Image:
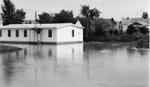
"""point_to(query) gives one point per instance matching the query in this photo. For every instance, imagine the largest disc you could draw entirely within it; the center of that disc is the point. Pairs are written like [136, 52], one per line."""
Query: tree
[45, 18]
[99, 27]
[143, 30]
[10, 15]
[63, 17]
[103, 27]
[19, 16]
[91, 15]
[94, 13]
[145, 15]
[8, 11]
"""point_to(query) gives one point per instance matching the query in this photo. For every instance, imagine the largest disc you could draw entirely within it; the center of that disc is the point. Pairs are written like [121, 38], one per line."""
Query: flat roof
[31, 26]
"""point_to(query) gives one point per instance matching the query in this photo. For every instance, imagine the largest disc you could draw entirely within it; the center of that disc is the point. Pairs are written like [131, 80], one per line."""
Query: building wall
[124, 28]
[58, 35]
[45, 37]
[13, 37]
[31, 36]
[65, 34]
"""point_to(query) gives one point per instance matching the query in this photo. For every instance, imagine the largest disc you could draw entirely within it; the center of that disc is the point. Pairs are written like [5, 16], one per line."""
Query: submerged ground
[74, 65]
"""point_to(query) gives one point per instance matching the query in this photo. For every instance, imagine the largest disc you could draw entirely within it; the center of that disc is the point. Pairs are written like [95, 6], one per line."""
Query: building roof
[143, 21]
[30, 26]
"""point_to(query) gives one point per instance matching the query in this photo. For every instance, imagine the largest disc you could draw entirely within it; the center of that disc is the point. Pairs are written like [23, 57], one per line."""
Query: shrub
[143, 42]
[131, 30]
[127, 38]
[143, 30]
[122, 37]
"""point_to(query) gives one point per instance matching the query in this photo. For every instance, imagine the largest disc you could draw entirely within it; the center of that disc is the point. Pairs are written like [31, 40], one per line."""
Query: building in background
[125, 22]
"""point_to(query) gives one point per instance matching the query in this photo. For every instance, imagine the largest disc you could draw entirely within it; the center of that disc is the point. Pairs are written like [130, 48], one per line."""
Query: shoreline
[113, 43]
[132, 45]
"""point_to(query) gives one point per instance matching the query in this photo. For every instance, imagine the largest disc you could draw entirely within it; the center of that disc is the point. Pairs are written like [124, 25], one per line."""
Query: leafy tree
[63, 17]
[94, 13]
[19, 16]
[103, 27]
[145, 15]
[99, 27]
[8, 10]
[143, 30]
[10, 15]
[45, 18]
[91, 15]
[131, 30]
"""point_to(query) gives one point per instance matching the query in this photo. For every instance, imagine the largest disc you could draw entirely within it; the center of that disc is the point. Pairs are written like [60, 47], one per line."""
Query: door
[38, 35]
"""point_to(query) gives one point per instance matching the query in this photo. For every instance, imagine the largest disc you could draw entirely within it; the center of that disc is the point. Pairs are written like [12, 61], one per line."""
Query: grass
[4, 49]
[117, 38]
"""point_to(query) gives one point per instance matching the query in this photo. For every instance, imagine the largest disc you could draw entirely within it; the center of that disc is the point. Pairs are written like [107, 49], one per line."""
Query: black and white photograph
[74, 43]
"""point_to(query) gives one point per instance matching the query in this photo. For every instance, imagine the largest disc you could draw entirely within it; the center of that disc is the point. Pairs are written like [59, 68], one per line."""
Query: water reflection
[74, 65]
[141, 52]
[12, 64]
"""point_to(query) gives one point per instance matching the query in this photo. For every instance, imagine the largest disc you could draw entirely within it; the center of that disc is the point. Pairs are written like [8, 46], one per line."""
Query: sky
[109, 8]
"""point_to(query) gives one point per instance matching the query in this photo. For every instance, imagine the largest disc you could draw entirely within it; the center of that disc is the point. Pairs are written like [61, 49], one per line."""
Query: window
[0, 33]
[17, 33]
[72, 33]
[25, 33]
[9, 33]
[49, 33]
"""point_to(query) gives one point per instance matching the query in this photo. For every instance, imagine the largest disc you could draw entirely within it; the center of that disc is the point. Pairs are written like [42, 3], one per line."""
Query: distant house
[126, 22]
[118, 26]
[42, 33]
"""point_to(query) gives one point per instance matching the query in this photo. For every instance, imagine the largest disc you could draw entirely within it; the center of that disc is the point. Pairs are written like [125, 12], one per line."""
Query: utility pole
[35, 17]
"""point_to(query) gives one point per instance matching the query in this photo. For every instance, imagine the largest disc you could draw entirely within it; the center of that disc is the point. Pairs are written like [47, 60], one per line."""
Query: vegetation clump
[10, 14]
[143, 42]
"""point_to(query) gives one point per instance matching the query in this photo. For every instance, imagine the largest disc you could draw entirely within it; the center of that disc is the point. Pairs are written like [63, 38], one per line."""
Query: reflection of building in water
[12, 63]
[35, 58]
[71, 53]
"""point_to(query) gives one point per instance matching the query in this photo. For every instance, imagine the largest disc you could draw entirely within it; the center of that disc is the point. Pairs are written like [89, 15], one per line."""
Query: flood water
[74, 65]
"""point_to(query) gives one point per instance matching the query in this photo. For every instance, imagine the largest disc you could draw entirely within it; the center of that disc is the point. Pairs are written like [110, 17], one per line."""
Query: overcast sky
[109, 8]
